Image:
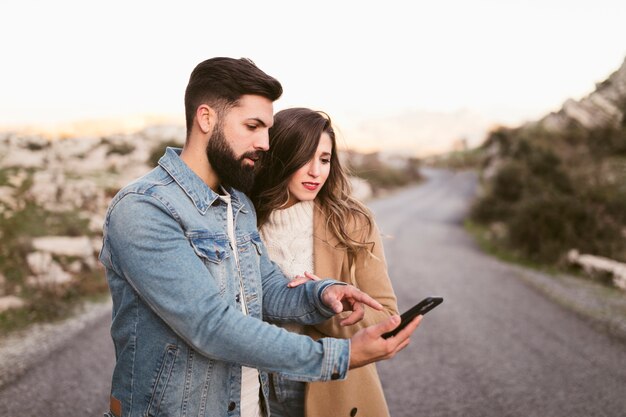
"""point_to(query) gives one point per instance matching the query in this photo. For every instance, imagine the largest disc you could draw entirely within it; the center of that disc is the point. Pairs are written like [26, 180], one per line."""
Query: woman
[310, 223]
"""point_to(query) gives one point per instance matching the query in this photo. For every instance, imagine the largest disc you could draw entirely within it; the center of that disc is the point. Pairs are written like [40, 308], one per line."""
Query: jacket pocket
[161, 380]
[212, 247]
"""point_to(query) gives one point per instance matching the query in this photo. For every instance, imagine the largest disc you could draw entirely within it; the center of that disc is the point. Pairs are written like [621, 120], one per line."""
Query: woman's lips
[311, 186]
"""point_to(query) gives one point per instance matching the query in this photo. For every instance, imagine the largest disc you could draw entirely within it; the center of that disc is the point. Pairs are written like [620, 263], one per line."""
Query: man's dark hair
[220, 82]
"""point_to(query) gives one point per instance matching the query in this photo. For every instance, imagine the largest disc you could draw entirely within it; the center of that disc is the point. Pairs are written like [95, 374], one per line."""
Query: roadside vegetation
[545, 193]
[383, 176]
[470, 159]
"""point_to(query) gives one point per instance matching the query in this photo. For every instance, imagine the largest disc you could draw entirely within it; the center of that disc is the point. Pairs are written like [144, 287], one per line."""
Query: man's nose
[262, 143]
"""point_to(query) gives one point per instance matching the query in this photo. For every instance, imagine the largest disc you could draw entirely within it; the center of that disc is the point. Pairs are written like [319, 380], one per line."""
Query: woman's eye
[325, 160]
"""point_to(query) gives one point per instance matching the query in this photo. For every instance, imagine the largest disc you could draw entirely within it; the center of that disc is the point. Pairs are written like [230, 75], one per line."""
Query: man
[190, 278]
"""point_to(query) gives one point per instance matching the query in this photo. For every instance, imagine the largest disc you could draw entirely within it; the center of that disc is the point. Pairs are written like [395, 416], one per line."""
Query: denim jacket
[179, 333]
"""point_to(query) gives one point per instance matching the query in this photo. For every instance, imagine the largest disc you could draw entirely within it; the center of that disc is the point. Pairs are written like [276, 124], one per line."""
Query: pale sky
[361, 61]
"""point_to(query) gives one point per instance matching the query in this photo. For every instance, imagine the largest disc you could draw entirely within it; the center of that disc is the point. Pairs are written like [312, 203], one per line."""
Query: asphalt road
[495, 347]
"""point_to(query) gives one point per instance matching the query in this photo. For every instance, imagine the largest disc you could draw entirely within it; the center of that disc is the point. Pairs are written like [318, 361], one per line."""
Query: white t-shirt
[250, 384]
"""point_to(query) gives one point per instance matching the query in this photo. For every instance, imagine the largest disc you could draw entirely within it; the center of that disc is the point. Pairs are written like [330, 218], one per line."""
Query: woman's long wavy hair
[294, 139]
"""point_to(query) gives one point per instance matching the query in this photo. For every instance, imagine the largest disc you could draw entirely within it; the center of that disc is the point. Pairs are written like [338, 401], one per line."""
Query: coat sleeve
[370, 276]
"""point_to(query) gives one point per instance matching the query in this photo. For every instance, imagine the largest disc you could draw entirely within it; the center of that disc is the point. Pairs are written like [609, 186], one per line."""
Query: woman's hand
[299, 279]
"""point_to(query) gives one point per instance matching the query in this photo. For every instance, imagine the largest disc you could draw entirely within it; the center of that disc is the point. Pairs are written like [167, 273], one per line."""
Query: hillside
[559, 183]
[53, 199]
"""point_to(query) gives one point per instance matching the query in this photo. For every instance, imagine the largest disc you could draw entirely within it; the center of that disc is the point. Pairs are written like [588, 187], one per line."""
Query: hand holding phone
[420, 308]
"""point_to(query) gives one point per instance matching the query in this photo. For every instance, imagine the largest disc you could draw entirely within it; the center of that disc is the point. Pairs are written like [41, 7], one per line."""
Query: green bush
[546, 228]
[382, 177]
[120, 149]
[608, 141]
[489, 209]
[548, 207]
[508, 184]
[158, 151]
[116, 147]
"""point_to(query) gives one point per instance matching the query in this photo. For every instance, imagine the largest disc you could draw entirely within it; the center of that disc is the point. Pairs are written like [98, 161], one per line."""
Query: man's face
[237, 140]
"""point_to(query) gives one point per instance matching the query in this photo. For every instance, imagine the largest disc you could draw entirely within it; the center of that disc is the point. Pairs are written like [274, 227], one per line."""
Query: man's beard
[231, 170]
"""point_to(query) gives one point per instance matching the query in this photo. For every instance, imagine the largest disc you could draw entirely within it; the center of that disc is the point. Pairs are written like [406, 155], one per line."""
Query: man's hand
[368, 346]
[348, 298]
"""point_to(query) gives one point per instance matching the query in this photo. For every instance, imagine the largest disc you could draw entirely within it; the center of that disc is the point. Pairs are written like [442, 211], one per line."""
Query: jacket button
[231, 406]
[353, 412]
[335, 376]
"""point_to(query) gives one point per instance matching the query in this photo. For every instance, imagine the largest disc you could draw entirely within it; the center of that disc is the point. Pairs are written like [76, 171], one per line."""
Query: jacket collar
[200, 194]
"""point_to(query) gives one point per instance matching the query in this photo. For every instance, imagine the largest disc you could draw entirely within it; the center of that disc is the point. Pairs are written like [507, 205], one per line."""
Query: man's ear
[206, 118]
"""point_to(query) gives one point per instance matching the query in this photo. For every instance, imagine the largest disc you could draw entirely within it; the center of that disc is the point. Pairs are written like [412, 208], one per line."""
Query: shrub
[608, 141]
[544, 228]
[120, 149]
[508, 184]
[117, 147]
[489, 209]
[158, 151]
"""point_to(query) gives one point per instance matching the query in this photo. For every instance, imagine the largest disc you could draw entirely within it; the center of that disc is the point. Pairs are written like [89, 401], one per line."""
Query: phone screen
[420, 308]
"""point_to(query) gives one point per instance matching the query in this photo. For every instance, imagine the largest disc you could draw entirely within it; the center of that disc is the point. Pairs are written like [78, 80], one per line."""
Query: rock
[64, 246]
[594, 265]
[18, 157]
[96, 244]
[601, 108]
[95, 223]
[53, 191]
[10, 302]
[53, 277]
[39, 262]
[75, 267]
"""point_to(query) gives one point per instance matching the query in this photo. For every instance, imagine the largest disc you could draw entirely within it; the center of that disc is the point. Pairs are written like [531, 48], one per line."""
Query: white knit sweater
[288, 236]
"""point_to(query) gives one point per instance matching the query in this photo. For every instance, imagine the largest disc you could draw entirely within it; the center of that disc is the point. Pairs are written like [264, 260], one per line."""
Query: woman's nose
[314, 169]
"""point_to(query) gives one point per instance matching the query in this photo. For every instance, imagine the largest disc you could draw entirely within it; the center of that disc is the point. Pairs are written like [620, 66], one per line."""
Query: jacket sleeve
[146, 247]
[371, 277]
[283, 305]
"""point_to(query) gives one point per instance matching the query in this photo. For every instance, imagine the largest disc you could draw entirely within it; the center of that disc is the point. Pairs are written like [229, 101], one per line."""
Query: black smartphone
[420, 308]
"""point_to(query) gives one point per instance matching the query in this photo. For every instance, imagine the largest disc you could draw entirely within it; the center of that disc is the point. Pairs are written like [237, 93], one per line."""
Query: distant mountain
[419, 133]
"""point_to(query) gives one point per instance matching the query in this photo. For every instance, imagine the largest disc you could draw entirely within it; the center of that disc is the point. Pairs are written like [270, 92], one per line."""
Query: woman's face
[307, 181]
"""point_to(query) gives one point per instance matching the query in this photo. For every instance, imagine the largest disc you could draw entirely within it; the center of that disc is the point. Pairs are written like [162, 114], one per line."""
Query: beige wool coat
[360, 394]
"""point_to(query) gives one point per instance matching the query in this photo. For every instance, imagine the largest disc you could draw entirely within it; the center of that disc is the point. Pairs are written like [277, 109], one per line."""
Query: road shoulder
[25, 348]
[604, 307]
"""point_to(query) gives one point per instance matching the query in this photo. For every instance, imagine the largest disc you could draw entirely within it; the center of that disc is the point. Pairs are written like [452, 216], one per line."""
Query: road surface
[495, 347]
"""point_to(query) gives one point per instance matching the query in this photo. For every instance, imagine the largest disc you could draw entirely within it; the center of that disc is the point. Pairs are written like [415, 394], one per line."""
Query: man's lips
[251, 158]
[311, 186]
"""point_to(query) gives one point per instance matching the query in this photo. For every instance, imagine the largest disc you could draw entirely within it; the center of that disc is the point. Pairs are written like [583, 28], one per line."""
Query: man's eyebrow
[260, 121]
